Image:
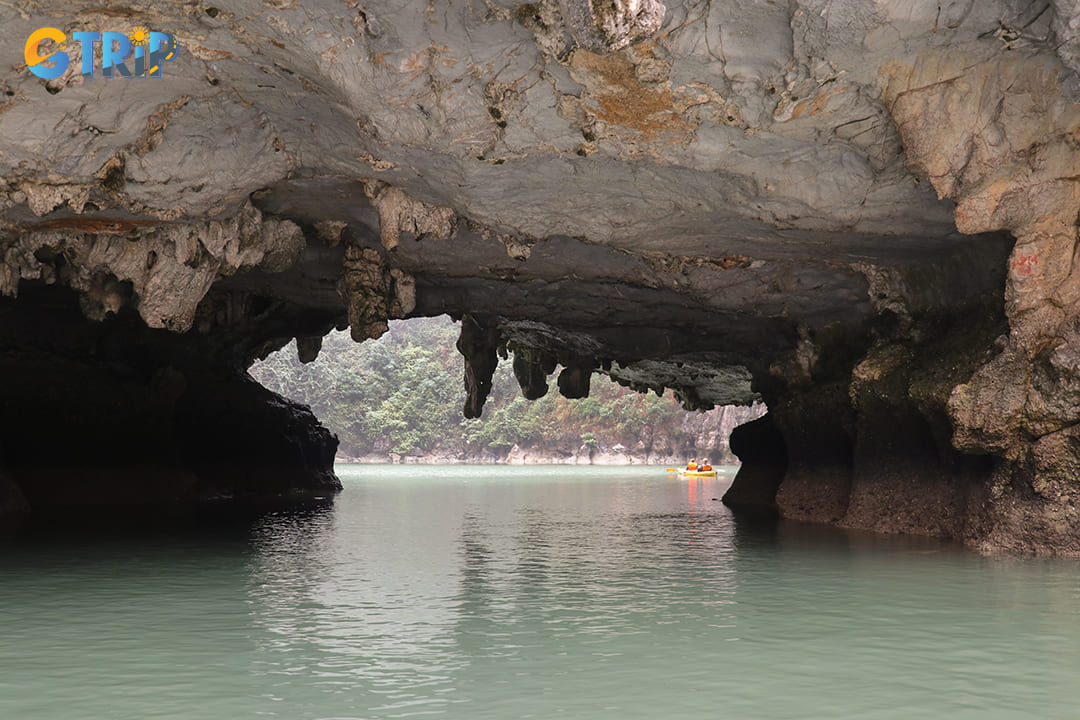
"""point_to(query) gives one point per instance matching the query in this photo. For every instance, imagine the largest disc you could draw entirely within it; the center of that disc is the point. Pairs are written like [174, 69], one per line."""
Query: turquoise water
[480, 592]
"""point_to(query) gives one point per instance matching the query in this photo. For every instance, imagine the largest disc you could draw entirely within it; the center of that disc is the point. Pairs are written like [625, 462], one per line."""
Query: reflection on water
[529, 593]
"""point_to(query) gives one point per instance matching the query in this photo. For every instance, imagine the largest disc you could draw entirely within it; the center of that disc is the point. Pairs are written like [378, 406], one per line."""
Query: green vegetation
[402, 395]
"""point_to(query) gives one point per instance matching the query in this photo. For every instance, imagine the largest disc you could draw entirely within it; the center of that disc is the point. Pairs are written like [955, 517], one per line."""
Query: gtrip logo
[148, 52]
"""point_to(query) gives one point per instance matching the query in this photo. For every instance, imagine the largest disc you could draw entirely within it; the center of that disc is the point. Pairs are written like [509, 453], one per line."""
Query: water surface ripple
[469, 592]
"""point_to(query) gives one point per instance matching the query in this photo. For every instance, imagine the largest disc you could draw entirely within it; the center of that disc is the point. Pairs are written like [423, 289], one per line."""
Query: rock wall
[114, 417]
[996, 134]
[861, 211]
[712, 432]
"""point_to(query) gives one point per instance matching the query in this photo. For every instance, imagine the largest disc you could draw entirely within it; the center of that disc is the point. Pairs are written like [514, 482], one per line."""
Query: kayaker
[706, 465]
[691, 466]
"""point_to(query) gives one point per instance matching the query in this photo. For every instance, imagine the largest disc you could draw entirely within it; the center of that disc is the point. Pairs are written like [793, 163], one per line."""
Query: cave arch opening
[399, 398]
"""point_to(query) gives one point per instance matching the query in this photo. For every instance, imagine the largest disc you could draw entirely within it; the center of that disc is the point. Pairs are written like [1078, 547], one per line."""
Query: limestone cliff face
[861, 211]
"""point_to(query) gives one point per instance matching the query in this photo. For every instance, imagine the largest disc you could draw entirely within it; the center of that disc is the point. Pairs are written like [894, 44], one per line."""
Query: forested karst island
[397, 399]
[862, 213]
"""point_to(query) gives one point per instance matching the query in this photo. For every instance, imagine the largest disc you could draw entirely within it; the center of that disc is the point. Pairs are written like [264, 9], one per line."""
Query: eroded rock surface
[112, 415]
[861, 211]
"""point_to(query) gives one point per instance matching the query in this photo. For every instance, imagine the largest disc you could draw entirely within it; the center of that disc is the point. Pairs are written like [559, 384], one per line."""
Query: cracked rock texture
[861, 211]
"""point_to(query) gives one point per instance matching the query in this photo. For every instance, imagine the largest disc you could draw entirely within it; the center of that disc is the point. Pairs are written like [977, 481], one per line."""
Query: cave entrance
[398, 399]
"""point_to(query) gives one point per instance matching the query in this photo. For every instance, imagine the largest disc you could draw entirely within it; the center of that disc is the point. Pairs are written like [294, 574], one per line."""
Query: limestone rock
[612, 25]
[860, 211]
[478, 344]
[759, 445]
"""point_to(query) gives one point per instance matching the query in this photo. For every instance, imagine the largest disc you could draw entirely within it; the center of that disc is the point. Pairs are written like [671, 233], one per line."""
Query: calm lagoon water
[553, 592]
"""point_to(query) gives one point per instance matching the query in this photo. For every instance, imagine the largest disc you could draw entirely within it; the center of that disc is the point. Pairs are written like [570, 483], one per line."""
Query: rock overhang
[729, 199]
[664, 161]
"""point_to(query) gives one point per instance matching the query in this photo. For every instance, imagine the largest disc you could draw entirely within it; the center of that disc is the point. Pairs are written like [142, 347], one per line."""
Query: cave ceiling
[718, 183]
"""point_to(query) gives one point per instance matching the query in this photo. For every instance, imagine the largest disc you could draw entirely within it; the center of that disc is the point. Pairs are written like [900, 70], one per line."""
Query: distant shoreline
[598, 458]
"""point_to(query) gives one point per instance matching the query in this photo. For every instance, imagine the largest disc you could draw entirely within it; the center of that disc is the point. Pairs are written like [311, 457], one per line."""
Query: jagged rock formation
[861, 211]
[105, 416]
